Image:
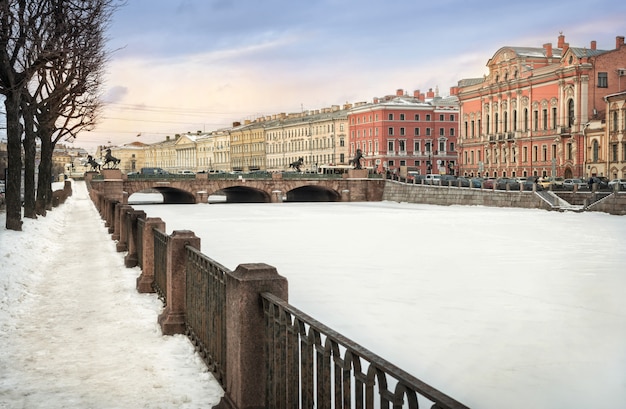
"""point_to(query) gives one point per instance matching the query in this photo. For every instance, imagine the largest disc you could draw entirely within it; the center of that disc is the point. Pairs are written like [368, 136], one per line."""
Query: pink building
[417, 131]
[530, 115]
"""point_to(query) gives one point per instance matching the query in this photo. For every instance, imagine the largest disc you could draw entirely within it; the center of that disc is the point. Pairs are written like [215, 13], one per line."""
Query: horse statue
[95, 166]
[296, 165]
[110, 160]
[356, 161]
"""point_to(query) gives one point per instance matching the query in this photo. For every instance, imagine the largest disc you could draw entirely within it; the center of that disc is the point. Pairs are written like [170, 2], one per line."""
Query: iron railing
[160, 264]
[205, 308]
[141, 223]
[311, 366]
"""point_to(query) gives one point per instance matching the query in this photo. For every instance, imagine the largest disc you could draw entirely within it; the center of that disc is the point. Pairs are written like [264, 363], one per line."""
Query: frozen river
[499, 308]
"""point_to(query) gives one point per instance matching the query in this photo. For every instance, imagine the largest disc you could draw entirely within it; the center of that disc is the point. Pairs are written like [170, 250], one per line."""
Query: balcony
[564, 131]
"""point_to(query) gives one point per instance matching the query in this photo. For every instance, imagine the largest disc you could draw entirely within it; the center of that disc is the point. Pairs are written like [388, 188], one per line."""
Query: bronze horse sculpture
[95, 166]
[110, 160]
[356, 161]
[296, 165]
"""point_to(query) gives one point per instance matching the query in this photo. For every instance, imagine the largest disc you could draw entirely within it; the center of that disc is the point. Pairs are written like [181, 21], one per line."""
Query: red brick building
[528, 116]
[417, 131]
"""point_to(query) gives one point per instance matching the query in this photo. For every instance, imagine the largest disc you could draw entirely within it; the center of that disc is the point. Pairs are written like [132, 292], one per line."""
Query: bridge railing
[264, 351]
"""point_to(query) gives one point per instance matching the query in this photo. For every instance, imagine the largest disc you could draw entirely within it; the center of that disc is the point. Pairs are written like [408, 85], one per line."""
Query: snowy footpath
[74, 331]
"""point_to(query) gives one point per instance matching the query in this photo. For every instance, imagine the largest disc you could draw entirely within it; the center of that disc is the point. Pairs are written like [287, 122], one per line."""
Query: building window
[553, 151]
[525, 119]
[417, 117]
[497, 123]
[570, 112]
[390, 117]
[553, 117]
[535, 151]
[614, 152]
[417, 132]
[544, 113]
[452, 118]
[390, 131]
[441, 132]
[515, 120]
[427, 131]
[402, 133]
[506, 121]
[416, 147]
[569, 151]
[402, 145]
[402, 117]
[441, 117]
[614, 124]
[451, 131]
[488, 123]
[451, 146]
[596, 148]
[390, 146]
[603, 80]
[442, 145]
[428, 117]
[535, 120]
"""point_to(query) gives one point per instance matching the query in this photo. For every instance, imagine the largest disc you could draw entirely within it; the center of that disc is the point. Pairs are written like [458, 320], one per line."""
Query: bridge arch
[171, 195]
[244, 194]
[313, 193]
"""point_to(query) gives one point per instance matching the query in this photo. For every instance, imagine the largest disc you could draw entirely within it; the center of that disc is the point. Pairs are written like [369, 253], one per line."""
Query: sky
[180, 66]
[498, 308]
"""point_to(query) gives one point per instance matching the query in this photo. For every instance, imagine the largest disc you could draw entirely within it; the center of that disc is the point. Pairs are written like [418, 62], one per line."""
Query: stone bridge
[274, 188]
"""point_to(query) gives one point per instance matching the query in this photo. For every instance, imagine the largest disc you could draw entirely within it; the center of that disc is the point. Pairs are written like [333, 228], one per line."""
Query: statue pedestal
[111, 173]
[357, 173]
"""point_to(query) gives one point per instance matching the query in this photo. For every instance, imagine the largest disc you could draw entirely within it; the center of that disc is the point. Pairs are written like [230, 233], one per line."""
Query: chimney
[619, 42]
[593, 45]
[548, 48]
[430, 93]
[235, 124]
[376, 100]
[561, 42]
[399, 92]
[416, 94]
[454, 90]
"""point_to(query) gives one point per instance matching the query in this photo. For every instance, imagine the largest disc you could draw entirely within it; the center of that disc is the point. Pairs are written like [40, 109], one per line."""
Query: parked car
[432, 179]
[153, 171]
[448, 180]
[470, 182]
[489, 183]
[553, 182]
[620, 182]
[185, 172]
[570, 183]
[503, 183]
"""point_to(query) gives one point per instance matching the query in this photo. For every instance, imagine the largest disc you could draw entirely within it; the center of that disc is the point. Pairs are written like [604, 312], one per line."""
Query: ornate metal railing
[141, 223]
[160, 264]
[310, 365]
[205, 309]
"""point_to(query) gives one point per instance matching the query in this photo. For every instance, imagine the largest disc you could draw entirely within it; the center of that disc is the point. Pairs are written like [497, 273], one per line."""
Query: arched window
[570, 112]
[525, 119]
[596, 147]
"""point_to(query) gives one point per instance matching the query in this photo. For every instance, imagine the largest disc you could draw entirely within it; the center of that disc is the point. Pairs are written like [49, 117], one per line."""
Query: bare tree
[19, 59]
[51, 61]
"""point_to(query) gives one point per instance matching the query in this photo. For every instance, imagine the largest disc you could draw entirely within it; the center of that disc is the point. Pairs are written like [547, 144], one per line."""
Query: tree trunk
[44, 186]
[14, 152]
[29, 165]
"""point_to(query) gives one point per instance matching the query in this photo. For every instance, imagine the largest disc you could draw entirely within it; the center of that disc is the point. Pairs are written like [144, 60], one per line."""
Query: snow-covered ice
[497, 307]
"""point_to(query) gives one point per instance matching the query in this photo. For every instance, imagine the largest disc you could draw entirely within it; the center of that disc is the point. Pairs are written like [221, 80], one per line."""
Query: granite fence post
[172, 319]
[145, 280]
